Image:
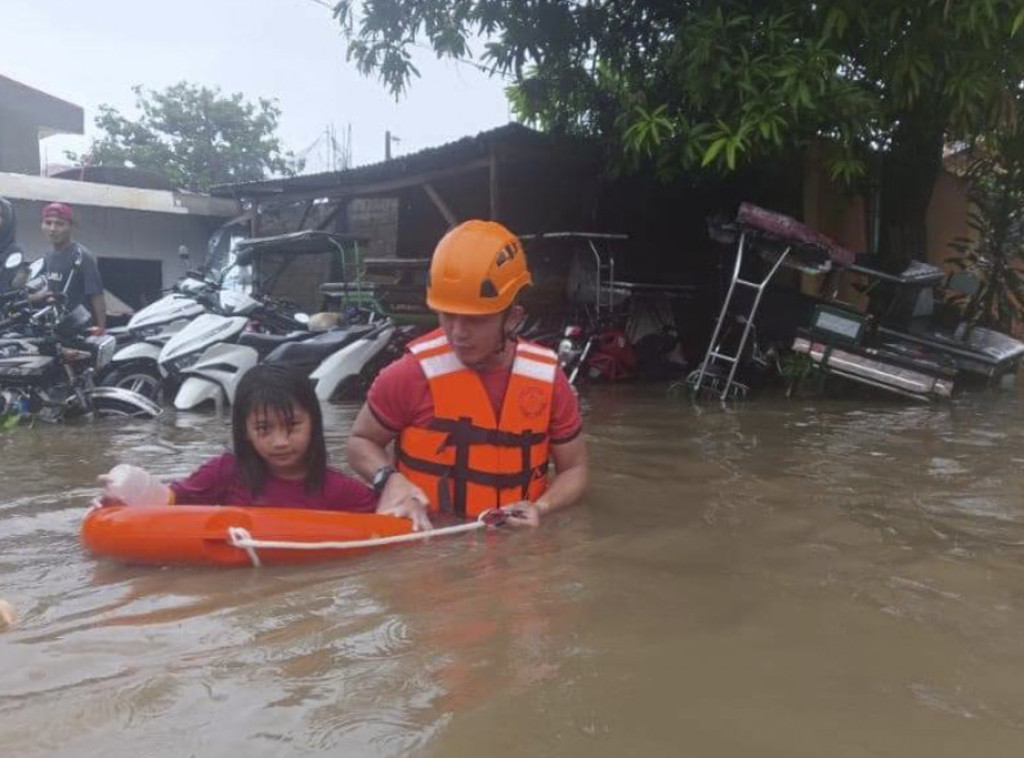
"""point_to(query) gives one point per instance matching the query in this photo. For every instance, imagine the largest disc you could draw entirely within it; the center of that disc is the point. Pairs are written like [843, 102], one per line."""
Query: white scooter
[211, 354]
[335, 358]
[136, 365]
[346, 365]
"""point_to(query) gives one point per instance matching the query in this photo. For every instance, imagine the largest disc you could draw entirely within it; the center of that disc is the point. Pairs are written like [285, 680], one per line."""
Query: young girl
[279, 457]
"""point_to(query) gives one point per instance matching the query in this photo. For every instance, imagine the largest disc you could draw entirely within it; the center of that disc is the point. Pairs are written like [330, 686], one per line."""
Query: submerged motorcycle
[135, 365]
[47, 363]
[335, 361]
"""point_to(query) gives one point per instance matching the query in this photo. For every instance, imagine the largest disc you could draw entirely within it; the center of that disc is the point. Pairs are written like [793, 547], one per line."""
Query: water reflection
[779, 578]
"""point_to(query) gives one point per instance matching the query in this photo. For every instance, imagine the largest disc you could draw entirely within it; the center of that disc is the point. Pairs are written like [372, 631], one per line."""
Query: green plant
[993, 256]
[801, 374]
[9, 419]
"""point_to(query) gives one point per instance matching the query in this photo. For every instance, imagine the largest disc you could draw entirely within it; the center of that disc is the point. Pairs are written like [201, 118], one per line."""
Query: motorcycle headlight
[105, 351]
[101, 349]
[185, 362]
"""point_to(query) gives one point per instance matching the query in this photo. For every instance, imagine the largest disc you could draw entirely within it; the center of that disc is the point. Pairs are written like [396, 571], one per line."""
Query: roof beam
[440, 204]
[354, 188]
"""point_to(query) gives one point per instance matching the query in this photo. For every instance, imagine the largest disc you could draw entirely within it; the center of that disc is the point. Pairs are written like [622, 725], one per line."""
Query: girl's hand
[133, 486]
[7, 615]
[404, 499]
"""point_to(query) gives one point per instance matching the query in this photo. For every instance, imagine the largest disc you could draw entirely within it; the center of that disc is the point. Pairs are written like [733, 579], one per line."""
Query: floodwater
[785, 578]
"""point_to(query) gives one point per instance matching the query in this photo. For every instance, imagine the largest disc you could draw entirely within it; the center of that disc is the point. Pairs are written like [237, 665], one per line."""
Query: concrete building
[134, 233]
[27, 116]
[133, 222]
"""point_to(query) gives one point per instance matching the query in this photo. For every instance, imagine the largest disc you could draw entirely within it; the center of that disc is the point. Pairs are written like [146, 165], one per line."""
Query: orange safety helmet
[478, 268]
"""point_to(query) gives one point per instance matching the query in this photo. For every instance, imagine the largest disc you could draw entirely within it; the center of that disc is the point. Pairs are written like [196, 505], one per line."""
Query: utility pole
[388, 139]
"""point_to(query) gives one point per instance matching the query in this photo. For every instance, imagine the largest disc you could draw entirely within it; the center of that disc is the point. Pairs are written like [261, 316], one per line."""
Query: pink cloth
[217, 482]
[400, 398]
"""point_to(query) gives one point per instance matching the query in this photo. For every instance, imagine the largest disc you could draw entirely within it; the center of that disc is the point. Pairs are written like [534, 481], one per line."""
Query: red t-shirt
[400, 398]
[217, 482]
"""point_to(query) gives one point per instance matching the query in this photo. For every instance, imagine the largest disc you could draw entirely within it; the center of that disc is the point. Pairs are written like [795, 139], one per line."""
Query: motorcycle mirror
[13, 260]
[302, 318]
[35, 268]
[244, 257]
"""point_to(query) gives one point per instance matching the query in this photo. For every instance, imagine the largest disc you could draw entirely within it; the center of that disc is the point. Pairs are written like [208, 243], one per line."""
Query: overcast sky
[93, 52]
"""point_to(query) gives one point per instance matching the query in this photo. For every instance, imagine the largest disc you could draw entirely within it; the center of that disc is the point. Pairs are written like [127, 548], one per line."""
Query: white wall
[120, 233]
[120, 222]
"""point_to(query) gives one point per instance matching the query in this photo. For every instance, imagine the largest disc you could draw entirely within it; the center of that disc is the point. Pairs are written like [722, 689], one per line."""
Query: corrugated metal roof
[444, 156]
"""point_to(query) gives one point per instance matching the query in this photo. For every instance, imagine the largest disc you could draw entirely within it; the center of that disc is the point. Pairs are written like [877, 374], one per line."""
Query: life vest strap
[483, 478]
[464, 432]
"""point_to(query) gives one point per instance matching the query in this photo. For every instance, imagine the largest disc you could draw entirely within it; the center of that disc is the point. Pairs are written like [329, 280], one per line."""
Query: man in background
[71, 261]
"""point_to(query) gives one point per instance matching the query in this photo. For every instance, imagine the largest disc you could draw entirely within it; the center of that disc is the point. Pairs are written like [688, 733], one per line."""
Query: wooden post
[440, 204]
[305, 215]
[494, 186]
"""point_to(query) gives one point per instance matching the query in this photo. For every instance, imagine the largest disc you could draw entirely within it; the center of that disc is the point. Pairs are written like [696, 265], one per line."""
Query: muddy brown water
[785, 578]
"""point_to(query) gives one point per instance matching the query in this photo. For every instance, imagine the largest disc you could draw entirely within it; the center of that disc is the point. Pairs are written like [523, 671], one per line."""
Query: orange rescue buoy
[226, 535]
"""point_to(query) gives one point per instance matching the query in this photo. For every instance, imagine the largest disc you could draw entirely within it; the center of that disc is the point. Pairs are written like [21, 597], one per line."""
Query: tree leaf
[713, 150]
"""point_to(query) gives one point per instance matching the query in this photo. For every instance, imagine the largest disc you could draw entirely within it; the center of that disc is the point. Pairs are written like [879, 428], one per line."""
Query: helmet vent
[487, 289]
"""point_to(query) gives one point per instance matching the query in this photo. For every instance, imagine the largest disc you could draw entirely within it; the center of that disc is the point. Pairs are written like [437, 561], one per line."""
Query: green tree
[678, 85]
[194, 136]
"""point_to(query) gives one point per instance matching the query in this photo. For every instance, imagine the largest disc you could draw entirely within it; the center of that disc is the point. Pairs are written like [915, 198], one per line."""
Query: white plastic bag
[134, 486]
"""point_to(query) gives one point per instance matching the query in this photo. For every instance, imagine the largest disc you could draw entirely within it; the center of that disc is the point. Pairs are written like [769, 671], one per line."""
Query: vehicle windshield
[233, 276]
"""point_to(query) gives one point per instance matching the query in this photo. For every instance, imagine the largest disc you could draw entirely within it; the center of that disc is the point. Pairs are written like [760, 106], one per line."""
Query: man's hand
[404, 499]
[43, 296]
[523, 513]
[97, 331]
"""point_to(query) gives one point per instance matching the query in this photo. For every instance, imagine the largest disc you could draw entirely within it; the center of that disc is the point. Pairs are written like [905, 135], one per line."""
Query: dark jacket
[8, 230]
[8, 244]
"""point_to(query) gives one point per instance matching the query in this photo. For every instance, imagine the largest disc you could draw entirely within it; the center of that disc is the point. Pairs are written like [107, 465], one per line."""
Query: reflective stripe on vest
[465, 460]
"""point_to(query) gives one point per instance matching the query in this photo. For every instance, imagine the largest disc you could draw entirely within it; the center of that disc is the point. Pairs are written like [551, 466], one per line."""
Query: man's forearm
[567, 487]
[365, 456]
[99, 311]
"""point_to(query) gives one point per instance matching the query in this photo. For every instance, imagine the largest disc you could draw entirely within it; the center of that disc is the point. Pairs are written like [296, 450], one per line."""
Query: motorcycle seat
[265, 343]
[313, 351]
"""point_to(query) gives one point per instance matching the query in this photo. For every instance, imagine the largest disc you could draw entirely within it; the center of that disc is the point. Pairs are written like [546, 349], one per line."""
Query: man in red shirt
[475, 414]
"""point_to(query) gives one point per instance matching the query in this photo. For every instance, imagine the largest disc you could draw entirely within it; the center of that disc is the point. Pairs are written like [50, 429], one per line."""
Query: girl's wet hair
[268, 388]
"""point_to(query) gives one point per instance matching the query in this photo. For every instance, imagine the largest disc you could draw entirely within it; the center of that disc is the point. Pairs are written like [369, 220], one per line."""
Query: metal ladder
[711, 381]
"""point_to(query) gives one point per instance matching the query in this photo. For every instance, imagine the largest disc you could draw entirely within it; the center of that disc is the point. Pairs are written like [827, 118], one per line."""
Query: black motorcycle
[47, 362]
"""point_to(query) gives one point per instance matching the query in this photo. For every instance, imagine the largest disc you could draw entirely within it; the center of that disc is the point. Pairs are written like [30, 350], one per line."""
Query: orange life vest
[466, 460]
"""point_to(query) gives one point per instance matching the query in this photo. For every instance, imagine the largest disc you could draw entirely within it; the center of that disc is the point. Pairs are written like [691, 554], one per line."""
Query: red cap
[60, 210]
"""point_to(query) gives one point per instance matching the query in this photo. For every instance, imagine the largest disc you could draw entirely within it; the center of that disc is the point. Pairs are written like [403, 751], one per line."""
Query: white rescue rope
[241, 538]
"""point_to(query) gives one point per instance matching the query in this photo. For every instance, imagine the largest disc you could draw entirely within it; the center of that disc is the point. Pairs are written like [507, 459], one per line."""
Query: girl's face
[282, 444]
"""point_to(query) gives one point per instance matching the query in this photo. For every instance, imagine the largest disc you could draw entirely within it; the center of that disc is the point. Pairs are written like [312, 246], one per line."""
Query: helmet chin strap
[507, 335]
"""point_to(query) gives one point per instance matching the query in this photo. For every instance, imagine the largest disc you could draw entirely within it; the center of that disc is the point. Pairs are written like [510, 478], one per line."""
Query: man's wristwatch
[381, 476]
